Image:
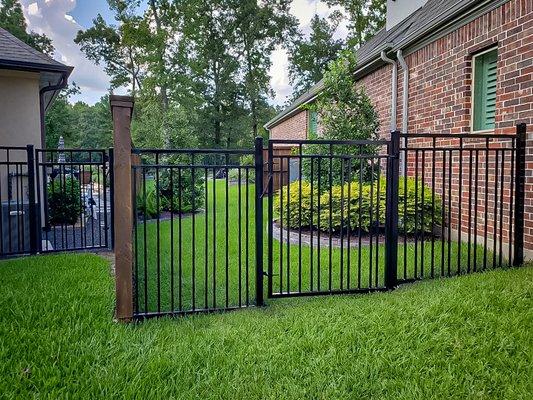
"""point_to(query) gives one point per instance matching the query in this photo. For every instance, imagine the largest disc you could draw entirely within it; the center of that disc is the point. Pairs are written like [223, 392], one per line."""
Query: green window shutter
[313, 124]
[485, 74]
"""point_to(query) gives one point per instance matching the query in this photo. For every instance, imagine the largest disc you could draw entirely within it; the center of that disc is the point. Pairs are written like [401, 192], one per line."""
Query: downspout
[394, 96]
[50, 88]
[405, 104]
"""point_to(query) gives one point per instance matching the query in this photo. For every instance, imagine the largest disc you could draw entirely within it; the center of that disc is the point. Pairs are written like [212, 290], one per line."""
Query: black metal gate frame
[36, 164]
[391, 157]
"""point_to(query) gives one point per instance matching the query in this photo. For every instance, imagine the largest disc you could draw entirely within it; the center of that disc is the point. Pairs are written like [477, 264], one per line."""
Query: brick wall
[294, 127]
[440, 100]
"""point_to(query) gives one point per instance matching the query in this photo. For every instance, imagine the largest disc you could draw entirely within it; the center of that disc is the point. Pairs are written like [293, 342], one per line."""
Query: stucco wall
[19, 123]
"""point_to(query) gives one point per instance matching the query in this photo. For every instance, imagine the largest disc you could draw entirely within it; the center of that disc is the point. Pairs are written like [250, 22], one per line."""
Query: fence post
[259, 301]
[520, 171]
[32, 212]
[391, 217]
[121, 109]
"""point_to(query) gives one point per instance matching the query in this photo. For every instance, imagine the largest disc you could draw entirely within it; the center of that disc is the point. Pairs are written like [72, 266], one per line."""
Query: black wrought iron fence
[327, 216]
[74, 198]
[341, 217]
[17, 234]
[462, 192]
[197, 242]
[54, 200]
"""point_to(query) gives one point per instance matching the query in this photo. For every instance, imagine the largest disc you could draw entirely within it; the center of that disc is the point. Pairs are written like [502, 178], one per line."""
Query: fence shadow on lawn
[199, 275]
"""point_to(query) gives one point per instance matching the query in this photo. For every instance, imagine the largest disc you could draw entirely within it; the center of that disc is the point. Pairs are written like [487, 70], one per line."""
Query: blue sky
[61, 20]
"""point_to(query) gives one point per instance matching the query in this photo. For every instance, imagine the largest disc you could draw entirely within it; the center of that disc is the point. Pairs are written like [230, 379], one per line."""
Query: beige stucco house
[29, 82]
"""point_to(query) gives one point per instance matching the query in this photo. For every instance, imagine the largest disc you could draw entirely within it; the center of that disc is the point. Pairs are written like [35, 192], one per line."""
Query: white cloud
[52, 18]
[303, 10]
[33, 10]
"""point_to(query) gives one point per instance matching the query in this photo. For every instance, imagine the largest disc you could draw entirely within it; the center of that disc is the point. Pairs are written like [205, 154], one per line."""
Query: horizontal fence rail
[194, 239]
[326, 216]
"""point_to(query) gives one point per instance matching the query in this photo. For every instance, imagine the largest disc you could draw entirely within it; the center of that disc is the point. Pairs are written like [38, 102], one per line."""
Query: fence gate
[329, 206]
[197, 238]
[54, 200]
[74, 196]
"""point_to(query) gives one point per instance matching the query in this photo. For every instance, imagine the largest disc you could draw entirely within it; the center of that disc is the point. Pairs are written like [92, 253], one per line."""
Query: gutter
[394, 93]
[50, 88]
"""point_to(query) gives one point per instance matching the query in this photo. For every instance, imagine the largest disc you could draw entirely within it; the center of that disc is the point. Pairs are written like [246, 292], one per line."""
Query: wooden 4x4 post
[122, 109]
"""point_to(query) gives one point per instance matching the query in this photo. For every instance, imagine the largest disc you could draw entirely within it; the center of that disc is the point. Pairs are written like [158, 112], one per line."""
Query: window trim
[473, 87]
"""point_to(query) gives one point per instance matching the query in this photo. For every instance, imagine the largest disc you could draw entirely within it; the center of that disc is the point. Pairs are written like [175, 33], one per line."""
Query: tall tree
[258, 27]
[213, 66]
[309, 57]
[12, 20]
[365, 18]
[118, 48]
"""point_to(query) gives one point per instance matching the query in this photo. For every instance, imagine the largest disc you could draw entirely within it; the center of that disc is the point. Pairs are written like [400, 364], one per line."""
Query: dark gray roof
[419, 25]
[14, 52]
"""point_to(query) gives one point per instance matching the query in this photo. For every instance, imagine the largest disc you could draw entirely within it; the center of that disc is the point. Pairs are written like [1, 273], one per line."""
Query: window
[313, 124]
[484, 95]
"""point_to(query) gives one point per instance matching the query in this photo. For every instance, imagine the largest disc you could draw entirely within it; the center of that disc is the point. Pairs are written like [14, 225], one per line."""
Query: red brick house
[444, 66]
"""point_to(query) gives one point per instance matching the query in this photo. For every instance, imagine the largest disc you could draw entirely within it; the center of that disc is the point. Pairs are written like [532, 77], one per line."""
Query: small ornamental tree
[345, 112]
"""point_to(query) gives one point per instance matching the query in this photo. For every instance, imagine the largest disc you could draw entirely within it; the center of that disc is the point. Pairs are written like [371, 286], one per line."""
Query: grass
[163, 268]
[468, 337]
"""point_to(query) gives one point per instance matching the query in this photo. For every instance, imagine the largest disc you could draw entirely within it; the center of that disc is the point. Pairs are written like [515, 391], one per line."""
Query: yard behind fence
[323, 217]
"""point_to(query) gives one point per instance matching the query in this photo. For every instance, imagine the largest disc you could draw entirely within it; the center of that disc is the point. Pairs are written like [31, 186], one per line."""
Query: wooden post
[121, 110]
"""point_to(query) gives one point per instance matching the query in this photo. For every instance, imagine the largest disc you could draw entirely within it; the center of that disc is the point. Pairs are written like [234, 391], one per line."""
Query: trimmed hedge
[365, 206]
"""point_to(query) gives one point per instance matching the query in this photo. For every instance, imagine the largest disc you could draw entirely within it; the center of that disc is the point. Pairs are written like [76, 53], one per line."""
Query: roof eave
[34, 67]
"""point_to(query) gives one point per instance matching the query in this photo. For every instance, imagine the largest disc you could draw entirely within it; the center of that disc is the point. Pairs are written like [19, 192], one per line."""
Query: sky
[61, 19]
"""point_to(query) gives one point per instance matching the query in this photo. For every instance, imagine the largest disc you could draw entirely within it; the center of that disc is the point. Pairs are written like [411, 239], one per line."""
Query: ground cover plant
[465, 337]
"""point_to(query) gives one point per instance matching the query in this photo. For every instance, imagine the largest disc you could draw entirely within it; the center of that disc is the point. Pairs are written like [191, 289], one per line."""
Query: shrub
[363, 202]
[294, 204]
[147, 203]
[192, 196]
[64, 200]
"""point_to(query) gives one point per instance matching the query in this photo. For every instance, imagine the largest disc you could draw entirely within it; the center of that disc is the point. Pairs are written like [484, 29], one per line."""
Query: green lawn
[363, 271]
[468, 337]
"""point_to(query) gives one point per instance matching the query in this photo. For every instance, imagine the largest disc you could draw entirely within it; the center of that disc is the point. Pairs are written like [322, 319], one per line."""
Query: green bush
[64, 200]
[147, 200]
[192, 196]
[364, 202]
[295, 194]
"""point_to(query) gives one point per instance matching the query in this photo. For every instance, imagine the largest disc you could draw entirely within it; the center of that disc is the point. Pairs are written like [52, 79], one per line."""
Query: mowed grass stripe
[463, 338]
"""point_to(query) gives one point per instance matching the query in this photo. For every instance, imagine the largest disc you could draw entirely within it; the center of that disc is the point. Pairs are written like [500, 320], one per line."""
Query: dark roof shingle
[15, 52]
